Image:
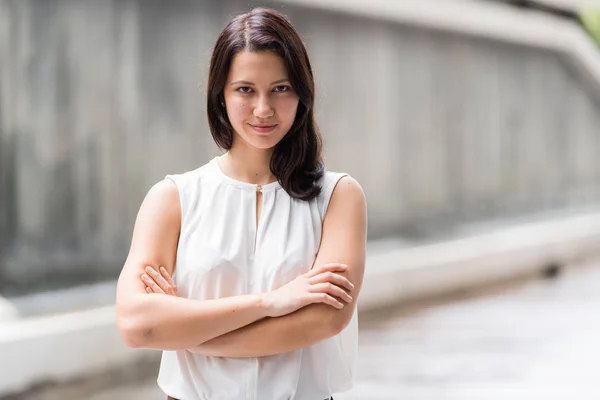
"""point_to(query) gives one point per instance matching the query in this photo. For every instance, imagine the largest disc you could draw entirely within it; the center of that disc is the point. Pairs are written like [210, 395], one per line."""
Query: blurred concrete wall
[101, 99]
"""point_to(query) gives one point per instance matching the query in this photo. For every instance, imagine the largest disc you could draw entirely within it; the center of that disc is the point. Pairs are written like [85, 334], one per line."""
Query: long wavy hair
[296, 161]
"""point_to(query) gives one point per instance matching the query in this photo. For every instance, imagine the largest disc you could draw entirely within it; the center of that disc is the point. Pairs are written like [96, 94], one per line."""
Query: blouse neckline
[241, 184]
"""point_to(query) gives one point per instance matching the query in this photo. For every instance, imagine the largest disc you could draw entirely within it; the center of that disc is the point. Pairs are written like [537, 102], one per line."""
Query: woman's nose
[263, 108]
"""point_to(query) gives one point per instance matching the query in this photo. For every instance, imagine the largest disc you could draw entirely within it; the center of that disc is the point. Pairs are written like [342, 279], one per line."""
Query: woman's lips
[263, 128]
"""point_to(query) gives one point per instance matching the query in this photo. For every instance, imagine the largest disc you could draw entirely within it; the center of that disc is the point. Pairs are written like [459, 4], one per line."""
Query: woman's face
[261, 104]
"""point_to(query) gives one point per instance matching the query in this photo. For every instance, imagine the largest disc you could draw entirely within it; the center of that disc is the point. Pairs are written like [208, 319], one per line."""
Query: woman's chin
[263, 142]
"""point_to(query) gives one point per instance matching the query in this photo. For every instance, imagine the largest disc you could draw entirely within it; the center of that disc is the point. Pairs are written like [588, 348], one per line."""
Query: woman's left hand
[159, 282]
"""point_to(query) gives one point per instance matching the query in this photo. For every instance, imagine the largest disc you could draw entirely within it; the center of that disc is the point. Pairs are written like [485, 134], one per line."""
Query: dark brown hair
[296, 160]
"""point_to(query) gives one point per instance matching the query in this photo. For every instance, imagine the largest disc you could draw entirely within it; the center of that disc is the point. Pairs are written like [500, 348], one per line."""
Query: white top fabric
[222, 253]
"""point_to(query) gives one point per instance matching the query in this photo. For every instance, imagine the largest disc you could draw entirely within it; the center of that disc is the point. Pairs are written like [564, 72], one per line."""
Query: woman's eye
[244, 89]
[283, 88]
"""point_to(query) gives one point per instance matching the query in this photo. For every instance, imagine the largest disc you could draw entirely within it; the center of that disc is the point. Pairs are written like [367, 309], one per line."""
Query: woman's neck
[248, 165]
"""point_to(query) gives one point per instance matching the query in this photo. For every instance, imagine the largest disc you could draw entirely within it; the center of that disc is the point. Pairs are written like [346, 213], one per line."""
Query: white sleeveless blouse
[223, 253]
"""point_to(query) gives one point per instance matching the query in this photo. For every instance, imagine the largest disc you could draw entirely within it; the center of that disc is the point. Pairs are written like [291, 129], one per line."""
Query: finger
[164, 285]
[332, 290]
[330, 267]
[334, 278]
[326, 299]
[168, 278]
[149, 290]
[151, 284]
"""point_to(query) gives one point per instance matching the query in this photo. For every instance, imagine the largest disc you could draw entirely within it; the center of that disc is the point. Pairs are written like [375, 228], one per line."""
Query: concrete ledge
[436, 269]
[64, 347]
[488, 20]
[7, 310]
[61, 348]
[567, 5]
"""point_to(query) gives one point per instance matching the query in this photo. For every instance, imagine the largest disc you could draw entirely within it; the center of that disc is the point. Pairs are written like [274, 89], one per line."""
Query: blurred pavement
[525, 341]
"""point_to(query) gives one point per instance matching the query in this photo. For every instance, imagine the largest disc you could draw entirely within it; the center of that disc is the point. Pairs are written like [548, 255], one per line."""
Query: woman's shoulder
[340, 183]
[331, 177]
[190, 182]
[347, 187]
[188, 185]
[330, 180]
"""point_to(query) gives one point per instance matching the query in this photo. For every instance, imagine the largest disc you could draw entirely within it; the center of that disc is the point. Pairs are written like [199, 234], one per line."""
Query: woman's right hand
[320, 285]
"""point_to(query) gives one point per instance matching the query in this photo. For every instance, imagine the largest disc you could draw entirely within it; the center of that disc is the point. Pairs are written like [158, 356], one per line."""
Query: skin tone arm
[344, 239]
[173, 323]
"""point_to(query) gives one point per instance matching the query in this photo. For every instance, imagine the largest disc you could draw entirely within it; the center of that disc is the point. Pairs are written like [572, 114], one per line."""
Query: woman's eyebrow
[250, 83]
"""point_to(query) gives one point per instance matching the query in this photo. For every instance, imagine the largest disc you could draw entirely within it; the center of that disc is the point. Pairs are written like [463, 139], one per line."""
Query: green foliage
[590, 19]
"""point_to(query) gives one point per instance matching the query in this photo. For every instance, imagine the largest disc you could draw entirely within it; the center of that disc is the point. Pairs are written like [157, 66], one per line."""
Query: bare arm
[169, 322]
[343, 240]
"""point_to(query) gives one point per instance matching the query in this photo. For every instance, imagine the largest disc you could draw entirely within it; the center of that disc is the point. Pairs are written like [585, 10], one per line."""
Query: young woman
[266, 248]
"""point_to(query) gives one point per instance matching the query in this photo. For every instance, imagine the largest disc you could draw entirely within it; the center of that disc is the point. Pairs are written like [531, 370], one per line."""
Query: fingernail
[148, 269]
[163, 269]
[145, 277]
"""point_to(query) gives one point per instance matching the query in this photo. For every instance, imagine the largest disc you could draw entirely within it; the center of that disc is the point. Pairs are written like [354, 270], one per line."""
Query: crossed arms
[239, 326]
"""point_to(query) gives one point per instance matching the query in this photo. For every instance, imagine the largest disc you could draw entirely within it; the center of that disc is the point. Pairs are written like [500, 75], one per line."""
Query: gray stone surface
[144, 391]
[535, 340]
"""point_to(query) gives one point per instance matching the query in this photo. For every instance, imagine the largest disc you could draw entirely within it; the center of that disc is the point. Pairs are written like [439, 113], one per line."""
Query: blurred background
[473, 127]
